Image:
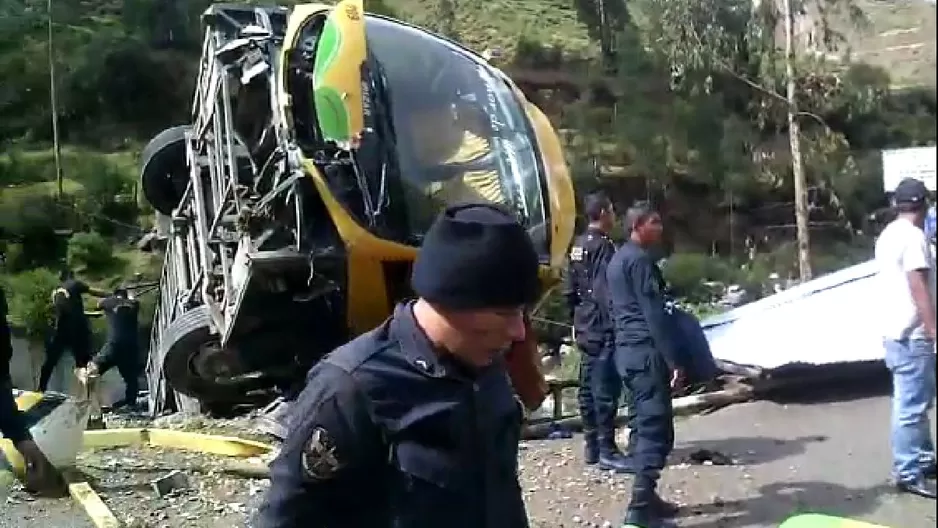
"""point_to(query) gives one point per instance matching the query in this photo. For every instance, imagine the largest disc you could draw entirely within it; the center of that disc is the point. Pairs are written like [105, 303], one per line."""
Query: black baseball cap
[910, 191]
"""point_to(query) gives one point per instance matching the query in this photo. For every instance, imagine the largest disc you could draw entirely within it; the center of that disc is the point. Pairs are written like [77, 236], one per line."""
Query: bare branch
[757, 86]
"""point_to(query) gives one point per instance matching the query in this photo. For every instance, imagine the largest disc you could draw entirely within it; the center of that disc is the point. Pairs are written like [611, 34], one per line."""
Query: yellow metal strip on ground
[114, 438]
[94, 507]
[11, 460]
[217, 445]
[204, 443]
[230, 446]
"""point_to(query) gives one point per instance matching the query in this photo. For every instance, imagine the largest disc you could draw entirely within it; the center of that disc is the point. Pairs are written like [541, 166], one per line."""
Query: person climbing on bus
[121, 348]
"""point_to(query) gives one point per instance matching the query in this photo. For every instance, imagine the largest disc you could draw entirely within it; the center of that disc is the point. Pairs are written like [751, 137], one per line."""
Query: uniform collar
[636, 245]
[414, 344]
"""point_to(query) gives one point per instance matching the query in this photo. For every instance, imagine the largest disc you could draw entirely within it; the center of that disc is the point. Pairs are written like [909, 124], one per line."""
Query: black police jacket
[387, 434]
[637, 301]
[6, 345]
[70, 318]
[4, 307]
[584, 285]
[121, 314]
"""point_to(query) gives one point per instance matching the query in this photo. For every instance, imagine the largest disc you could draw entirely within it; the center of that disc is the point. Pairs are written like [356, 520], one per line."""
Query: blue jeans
[912, 363]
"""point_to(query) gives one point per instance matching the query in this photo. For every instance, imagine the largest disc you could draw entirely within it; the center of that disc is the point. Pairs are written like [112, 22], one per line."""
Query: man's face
[484, 334]
[435, 133]
[650, 230]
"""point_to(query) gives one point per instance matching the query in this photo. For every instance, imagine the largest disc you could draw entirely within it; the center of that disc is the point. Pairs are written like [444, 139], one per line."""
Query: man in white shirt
[907, 280]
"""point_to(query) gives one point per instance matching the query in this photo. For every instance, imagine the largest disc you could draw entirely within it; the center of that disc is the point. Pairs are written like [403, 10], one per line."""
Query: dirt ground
[830, 457]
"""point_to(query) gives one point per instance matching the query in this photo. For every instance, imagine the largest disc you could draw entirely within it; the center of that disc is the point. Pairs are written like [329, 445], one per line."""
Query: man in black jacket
[6, 336]
[418, 416]
[584, 288]
[40, 475]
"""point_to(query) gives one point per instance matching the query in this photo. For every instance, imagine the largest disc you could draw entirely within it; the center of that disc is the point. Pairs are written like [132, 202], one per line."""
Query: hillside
[487, 24]
[900, 39]
[900, 36]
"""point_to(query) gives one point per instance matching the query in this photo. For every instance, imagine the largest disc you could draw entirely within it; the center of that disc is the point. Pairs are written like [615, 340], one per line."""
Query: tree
[725, 41]
[446, 18]
[794, 141]
[605, 20]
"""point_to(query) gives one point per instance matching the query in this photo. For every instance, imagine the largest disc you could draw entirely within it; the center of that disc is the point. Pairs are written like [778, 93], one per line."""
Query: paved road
[830, 457]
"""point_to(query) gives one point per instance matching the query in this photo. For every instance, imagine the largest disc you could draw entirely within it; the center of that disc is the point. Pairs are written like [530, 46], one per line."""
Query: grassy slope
[901, 36]
[38, 169]
[901, 39]
[486, 24]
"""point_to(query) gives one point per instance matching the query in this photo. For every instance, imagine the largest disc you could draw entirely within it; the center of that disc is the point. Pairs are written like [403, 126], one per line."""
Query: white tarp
[831, 319]
[917, 162]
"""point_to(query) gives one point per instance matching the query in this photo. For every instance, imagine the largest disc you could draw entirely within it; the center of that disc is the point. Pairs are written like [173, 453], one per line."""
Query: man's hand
[677, 379]
[41, 477]
[84, 374]
[92, 369]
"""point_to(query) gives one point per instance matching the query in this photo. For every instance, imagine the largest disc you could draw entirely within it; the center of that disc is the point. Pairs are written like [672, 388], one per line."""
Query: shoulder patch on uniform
[576, 253]
[319, 456]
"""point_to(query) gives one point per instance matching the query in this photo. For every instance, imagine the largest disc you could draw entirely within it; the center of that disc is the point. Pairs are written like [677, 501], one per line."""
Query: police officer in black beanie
[415, 423]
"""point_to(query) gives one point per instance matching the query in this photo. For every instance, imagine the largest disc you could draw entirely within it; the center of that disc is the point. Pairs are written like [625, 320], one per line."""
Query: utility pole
[56, 147]
[794, 139]
[603, 31]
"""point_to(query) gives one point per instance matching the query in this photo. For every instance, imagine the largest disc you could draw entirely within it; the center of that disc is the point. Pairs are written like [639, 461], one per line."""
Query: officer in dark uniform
[584, 287]
[120, 350]
[72, 328]
[40, 475]
[415, 424]
[645, 359]
[6, 336]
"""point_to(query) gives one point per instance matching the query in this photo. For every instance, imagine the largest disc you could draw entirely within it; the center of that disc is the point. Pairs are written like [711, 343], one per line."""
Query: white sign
[918, 163]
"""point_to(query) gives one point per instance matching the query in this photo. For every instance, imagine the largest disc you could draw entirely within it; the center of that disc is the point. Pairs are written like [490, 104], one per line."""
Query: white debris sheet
[828, 320]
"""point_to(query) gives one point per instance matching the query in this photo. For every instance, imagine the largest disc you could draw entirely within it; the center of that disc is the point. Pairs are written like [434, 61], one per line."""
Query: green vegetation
[676, 101]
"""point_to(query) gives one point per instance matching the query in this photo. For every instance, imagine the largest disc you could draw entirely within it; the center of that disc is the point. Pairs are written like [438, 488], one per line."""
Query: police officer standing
[415, 423]
[72, 328]
[120, 350]
[645, 358]
[584, 287]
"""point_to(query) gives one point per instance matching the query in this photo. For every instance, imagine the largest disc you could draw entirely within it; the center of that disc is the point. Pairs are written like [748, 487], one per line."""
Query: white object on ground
[831, 319]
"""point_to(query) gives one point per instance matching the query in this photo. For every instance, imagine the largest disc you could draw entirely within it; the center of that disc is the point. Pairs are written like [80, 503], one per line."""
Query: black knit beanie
[476, 256]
